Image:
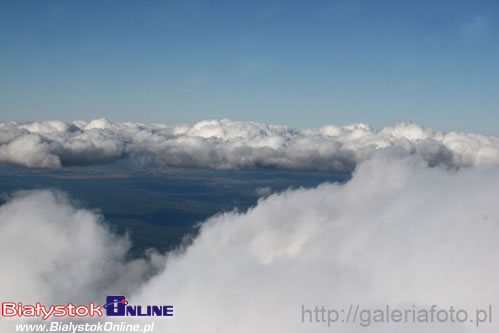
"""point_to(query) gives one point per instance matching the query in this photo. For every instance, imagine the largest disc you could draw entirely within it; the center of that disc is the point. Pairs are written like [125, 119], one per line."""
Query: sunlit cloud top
[227, 144]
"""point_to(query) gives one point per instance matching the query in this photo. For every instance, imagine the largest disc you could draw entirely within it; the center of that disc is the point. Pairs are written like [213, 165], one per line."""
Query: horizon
[194, 122]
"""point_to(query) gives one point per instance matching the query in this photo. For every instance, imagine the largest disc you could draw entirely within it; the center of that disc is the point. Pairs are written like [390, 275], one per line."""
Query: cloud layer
[227, 144]
[52, 250]
[398, 233]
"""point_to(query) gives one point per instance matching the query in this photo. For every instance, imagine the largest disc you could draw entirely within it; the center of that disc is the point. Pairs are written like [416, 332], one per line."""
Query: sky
[298, 63]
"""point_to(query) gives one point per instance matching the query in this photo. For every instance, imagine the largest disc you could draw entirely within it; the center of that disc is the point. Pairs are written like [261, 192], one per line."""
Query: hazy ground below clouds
[159, 207]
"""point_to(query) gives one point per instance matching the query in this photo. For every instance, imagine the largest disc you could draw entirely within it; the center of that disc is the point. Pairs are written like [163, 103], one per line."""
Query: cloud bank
[397, 233]
[227, 144]
[52, 250]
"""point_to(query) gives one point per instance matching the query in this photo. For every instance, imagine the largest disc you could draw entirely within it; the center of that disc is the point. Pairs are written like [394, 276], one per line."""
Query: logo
[115, 305]
[118, 306]
[11, 309]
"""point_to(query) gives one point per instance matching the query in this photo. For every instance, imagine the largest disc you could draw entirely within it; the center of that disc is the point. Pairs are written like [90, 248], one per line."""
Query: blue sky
[300, 63]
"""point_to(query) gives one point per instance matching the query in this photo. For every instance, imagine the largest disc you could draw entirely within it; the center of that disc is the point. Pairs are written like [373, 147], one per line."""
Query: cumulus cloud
[226, 144]
[53, 252]
[397, 233]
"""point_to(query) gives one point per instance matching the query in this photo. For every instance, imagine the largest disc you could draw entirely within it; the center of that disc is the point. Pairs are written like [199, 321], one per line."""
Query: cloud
[226, 144]
[397, 233]
[53, 252]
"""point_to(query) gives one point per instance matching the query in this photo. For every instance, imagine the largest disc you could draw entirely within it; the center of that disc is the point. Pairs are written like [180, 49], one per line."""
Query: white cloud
[225, 144]
[53, 252]
[398, 233]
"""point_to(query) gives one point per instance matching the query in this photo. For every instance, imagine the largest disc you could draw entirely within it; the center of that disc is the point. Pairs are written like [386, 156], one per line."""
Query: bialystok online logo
[118, 306]
[115, 306]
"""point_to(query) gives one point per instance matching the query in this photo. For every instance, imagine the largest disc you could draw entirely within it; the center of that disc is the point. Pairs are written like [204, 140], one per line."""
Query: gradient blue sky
[300, 63]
